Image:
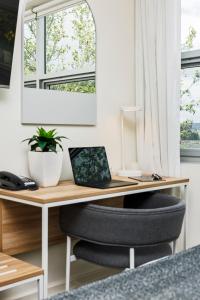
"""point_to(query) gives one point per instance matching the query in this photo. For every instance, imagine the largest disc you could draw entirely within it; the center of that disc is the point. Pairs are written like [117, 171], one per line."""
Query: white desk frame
[38, 279]
[45, 215]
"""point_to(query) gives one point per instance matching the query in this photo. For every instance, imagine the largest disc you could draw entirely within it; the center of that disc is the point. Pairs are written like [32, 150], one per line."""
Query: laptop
[90, 168]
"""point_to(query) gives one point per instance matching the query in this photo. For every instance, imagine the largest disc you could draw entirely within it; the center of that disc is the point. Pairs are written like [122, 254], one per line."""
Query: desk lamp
[124, 172]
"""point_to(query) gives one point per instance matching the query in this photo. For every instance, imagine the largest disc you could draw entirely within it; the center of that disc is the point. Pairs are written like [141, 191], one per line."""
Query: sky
[191, 17]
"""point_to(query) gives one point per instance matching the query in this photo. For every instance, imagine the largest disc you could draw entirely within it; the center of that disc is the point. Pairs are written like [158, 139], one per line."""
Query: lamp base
[129, 173]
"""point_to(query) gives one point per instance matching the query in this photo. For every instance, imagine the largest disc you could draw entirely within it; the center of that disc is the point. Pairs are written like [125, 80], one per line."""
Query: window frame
[41, 78]
[190, 59]
[66, 79]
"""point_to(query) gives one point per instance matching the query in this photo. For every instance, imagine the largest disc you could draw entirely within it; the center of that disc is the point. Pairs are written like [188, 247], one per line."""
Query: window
[190, 79]
[79, 86]
[60, 50]
[30, 47]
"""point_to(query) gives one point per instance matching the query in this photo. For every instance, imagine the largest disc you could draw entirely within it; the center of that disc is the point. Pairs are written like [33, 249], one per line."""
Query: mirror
[59, 63]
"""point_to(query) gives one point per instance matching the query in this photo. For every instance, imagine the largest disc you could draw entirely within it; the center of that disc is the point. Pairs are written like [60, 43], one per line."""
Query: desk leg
[45, 249]
[185, 196]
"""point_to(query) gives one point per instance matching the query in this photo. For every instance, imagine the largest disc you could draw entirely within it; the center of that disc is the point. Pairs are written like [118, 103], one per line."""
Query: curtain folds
[157, 84]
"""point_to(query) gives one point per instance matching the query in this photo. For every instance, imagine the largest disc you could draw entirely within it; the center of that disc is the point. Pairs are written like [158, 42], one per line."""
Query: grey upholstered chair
[123, 237]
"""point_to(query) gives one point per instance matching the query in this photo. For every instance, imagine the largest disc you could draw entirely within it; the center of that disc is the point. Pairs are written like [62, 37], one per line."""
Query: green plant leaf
[47, 141]
[34, 147]
[25, 140]
[42, 145]
[52, 148]
[61, 147]
[61, 137]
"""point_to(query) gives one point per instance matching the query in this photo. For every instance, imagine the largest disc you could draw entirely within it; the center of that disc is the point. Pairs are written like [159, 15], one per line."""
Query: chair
[123, 237]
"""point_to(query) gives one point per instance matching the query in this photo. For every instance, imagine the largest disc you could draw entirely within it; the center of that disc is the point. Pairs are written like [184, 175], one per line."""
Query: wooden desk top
[67, 190]
[13, 270]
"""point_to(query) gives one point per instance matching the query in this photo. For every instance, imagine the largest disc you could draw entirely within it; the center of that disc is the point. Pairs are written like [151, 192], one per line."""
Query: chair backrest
[127, 227]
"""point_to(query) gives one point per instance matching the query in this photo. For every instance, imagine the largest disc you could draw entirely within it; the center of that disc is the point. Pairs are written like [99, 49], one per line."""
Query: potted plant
[45, 157]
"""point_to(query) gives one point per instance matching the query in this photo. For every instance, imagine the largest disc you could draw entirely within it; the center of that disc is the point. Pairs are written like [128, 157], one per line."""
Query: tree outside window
[190, 76]
[69, 49]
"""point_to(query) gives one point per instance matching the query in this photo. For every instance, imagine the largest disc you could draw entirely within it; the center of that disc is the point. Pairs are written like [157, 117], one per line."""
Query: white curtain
[157, 84]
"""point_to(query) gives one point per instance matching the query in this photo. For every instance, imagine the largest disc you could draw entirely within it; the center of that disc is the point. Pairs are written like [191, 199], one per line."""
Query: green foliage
[30, 30]
[186, 125]
[84, 29]
[76, 87]
[66, 48]
[45, 141]
[190, 38]
[56, 50]
[190, 107]
[187, 133]
[76, 43]
[193, 104]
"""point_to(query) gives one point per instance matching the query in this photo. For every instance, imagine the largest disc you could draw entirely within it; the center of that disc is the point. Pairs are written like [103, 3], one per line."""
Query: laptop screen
[90, 165]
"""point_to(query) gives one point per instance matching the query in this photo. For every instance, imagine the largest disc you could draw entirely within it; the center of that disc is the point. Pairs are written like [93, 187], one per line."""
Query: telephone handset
[13, 182]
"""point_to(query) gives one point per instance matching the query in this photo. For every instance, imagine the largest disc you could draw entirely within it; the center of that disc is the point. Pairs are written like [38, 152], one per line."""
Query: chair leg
[68, 263]
[174, 247]
[132, 258]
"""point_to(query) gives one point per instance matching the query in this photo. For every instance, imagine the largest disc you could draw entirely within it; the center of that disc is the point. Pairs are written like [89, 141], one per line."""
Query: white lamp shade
[124, 172]
[131, 108]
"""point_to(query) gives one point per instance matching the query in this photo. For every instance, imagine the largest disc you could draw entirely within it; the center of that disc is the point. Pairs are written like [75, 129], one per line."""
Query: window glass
[190, 35]
[59, 46]
[30, 47]
[84, 86]
[70, 39]
[190, 108]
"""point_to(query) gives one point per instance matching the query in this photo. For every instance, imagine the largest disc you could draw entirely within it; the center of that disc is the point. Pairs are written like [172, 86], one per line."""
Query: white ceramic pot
[45, 167]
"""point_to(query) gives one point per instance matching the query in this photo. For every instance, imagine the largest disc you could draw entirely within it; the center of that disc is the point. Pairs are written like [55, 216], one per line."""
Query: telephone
[12, 182]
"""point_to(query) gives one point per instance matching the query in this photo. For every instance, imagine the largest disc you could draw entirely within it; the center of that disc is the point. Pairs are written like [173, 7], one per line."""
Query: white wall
[192, 171]
[114, 21]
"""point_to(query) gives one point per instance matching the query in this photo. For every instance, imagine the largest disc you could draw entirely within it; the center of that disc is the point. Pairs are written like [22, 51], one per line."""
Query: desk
[15, 272]
[67, 193]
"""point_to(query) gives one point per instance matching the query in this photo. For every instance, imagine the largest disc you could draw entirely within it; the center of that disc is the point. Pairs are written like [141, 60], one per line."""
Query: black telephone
[12, 182]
